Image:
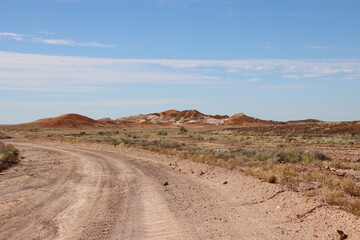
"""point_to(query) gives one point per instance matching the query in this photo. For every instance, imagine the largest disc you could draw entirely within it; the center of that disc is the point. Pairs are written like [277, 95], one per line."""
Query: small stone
[165, 183]
[342, 235]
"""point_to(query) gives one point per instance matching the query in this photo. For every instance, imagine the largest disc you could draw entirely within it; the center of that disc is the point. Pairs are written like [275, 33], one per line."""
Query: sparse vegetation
[162, 133]
[295, 160]
[183, 130]
[4, 136]
[8, 156]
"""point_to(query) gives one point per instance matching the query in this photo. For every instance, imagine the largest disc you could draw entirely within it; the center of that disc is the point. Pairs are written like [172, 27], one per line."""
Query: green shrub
[277, 155]
[183, 130]
[9, 155]
[4, 136]
[162, 133]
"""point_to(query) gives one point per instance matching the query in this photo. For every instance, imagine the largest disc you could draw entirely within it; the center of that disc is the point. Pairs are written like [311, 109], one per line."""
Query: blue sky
[271, 59]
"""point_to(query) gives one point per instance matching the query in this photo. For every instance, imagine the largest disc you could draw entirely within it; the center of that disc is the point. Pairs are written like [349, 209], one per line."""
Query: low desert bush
[340, 199]
[9, 155]
[182, 130]
[334, 197]
[277, 155]
[346, 165]
[351, 187]
[4, 136]
[354, 206]
[162, 133]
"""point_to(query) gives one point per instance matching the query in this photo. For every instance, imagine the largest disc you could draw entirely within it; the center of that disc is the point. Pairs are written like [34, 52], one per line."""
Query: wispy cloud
[10, 35]
[46, 33]
[31, 72]
[287, 87]
[63, 42]
[66, 42]
[270, 46]
[254, 80]
[115, 103]
[182, 2]
[233, 12]
[320, 47]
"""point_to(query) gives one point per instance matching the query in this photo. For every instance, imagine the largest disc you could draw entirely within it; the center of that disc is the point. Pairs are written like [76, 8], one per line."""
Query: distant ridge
[174, 117]
[187, 117]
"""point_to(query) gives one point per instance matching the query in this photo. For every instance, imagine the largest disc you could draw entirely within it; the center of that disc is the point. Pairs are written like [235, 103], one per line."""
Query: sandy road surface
[68, 192]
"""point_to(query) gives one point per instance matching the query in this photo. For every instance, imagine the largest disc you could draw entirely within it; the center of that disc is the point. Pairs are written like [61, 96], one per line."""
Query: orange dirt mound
[169, 113]
[68, 120]
[106, 121]
[242, 119]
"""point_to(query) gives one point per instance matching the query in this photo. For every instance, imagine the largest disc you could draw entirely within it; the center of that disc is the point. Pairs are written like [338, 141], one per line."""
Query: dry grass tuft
[280, 158]
[8, 156]
[4, 136]
[346, 165]
[336, 197]
[351, 187]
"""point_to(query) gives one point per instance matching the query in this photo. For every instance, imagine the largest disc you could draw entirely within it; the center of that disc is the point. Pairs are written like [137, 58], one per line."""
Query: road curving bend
[87, 195]
[68, 192]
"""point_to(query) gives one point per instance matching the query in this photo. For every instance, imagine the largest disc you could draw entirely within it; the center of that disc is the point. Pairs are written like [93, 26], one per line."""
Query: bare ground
[63, 191]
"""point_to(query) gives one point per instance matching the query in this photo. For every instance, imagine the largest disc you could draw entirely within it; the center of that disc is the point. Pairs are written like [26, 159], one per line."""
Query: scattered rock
[201, 173]
[225, 182]
[165, 183]
[341, 174]
[342, 235]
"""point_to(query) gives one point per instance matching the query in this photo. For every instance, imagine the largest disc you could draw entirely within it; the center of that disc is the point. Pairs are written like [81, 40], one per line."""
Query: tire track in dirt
[68, 192]
[93, 198]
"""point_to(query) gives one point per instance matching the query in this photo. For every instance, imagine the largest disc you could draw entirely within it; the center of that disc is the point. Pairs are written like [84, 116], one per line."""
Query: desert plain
[180, 175]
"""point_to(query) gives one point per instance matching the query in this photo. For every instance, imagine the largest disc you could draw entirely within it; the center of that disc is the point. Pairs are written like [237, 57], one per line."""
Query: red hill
[66, 121]
[242, 119]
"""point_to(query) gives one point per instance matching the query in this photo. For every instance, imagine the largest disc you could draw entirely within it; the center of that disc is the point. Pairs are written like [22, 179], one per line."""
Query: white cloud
[292, 76]
[63, 42]
[270, 46]
[115, 103]
[287, 87]
[66, 42]
[320, 47]
[59, 73]
[354, 77]
[254, 80]
[46, 33]
[13, 36]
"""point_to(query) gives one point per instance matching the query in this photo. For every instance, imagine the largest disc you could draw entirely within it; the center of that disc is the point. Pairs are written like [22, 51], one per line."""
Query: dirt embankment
[102, 192]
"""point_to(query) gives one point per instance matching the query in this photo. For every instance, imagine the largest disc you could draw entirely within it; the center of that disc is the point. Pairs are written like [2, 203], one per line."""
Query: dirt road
[73, 192]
